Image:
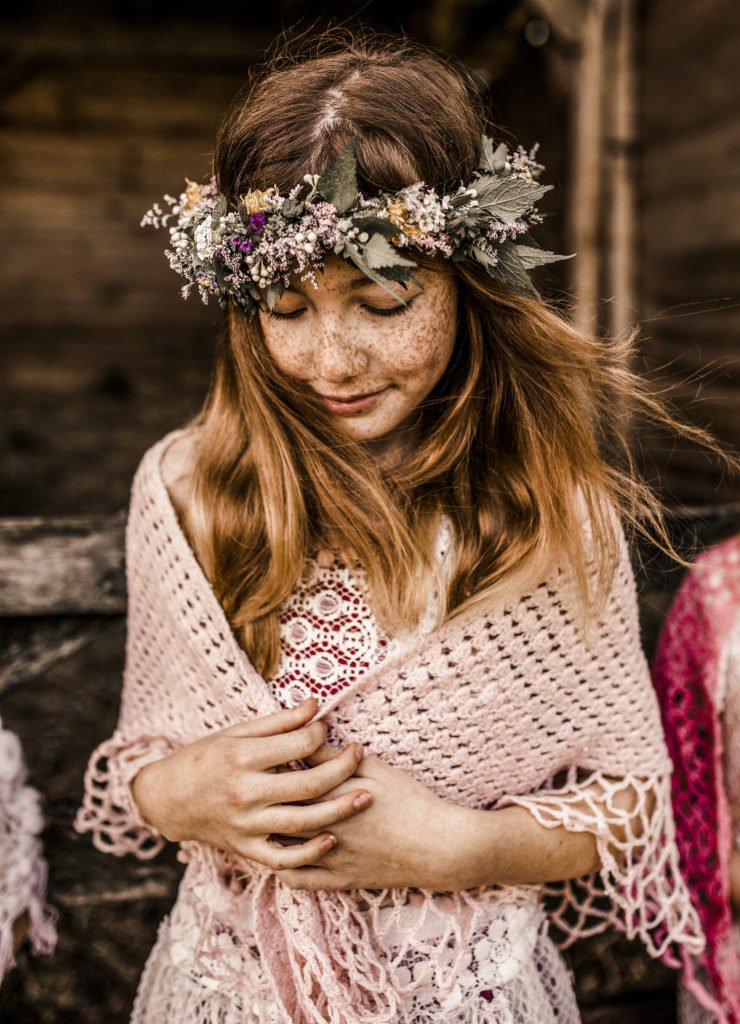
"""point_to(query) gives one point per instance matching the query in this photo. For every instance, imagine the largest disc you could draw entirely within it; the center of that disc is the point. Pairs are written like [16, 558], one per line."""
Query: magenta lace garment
[686, 675]
[488, 710]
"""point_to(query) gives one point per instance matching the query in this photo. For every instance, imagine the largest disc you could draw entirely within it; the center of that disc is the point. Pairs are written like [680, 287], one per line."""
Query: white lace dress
[515, 975]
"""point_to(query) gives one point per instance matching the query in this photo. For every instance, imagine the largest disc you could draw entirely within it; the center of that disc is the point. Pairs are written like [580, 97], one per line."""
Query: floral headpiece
[248, 254]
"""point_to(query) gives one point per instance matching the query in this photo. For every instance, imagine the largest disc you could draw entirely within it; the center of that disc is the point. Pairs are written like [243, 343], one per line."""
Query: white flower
[203, 238]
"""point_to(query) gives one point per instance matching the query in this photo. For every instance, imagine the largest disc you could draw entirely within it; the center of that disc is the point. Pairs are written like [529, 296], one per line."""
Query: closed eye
[390, 310]
[285, 316]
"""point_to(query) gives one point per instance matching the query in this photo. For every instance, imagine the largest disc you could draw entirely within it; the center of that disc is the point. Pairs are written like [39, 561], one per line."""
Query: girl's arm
[408, 836]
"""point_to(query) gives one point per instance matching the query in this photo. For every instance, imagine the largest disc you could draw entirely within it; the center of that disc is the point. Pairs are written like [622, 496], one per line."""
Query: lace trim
[639, 871]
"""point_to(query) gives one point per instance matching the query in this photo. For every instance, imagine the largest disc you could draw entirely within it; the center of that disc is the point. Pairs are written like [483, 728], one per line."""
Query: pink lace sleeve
[108, 808]
[639, 886]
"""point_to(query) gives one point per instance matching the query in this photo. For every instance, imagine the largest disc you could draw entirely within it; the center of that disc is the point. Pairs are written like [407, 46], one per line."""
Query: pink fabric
[22, 866]
[686, 674]
[499, 706]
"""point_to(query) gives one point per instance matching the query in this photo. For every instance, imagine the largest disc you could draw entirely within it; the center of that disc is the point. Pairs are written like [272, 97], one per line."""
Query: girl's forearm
[509, 847]
[735, 880]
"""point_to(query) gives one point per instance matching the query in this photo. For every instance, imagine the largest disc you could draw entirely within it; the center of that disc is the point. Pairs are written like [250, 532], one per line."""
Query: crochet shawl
[493, 708]
[686, 674]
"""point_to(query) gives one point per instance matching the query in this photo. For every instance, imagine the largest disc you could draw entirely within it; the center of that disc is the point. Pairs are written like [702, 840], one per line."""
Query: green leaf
[511, 270]
[508, 198]
[375, 225]
[490, 159]
[292, 209]
[219, 210]
[338, 183]
[243, 213]
[378, 252]
[270, 296]
[531, 256]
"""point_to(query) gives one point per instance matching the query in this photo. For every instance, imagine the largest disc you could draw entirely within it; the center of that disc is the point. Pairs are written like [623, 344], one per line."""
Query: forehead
[342, 277]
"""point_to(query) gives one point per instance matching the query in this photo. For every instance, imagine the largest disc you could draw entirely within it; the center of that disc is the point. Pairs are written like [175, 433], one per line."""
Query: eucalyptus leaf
[338, 183]
[378, 252]
[270, 296]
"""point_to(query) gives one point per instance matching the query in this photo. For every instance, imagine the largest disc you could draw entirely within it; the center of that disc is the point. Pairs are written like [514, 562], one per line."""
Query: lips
[352, 403]
[351, 398]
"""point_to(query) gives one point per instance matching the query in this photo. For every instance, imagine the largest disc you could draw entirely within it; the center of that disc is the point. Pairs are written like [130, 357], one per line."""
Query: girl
[697, 677]
[383, 677]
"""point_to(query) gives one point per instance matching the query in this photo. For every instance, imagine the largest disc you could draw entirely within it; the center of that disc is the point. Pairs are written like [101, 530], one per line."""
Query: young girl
[383, 678]
[697, 677]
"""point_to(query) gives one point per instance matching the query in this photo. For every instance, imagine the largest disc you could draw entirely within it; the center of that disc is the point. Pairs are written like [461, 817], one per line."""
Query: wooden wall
[689, 217]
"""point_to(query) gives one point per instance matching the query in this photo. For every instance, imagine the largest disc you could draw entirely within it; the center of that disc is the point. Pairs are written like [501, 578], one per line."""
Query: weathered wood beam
[30, 646]
[62, 566]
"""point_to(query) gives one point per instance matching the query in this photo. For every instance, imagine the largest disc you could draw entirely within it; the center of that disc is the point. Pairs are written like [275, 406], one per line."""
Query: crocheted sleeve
[146, 722]
[22, 866]
[624, 802]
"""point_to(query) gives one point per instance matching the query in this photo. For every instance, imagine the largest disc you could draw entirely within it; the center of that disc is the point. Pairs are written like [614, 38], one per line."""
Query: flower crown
[248, 254]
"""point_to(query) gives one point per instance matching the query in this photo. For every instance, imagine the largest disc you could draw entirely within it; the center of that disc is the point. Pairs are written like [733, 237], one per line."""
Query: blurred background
[107, 105]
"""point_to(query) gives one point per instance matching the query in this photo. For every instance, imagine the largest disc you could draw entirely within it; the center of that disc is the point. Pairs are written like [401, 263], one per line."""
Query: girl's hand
[407, 837]
[226, 789]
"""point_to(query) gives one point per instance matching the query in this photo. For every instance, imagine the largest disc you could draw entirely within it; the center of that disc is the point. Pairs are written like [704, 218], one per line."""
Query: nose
[337, 355]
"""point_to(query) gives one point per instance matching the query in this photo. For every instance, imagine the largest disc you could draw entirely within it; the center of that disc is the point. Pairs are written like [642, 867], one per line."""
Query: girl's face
[371, 358]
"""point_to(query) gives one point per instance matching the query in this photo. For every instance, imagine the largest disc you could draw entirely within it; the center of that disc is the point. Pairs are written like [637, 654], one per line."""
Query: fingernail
[327, 843]
[361, 801]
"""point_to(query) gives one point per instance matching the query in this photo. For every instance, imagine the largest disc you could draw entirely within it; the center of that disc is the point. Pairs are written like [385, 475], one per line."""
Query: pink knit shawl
[686, 674]
[486, 711]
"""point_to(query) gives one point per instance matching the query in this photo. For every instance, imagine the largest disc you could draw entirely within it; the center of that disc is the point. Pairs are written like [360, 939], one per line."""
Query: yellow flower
[399, 215]
[255, 200]
[193, 194]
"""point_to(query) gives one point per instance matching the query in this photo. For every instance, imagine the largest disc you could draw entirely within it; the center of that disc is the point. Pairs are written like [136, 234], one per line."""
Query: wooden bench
[62, 584]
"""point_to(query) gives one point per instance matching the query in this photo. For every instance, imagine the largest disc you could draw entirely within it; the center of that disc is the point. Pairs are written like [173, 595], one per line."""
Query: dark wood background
[104, 107]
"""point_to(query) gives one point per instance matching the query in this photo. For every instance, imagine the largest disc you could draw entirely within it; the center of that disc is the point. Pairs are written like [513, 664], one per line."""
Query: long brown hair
[514, 436]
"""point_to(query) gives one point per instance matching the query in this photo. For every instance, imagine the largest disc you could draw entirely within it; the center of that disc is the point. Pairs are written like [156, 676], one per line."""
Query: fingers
[311, 783]
[298, 819]
[281, 858]
[323, 754]
[267, 752]
[280, 722]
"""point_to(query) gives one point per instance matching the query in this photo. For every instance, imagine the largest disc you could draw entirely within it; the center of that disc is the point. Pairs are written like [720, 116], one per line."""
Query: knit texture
[509, 706]
[22, 865]
[689, 673]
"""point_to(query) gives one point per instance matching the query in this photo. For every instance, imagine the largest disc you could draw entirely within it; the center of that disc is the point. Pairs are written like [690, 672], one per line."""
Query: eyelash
[393, 311]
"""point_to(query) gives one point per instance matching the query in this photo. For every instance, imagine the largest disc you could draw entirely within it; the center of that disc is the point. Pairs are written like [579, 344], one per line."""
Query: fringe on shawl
[640, 873]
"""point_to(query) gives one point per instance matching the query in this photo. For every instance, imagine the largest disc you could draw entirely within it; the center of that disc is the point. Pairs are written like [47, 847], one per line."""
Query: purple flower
[257, 221]
[246, 246]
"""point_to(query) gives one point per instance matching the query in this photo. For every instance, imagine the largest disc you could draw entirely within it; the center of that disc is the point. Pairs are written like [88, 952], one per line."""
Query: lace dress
[513, 974]
[728, 700]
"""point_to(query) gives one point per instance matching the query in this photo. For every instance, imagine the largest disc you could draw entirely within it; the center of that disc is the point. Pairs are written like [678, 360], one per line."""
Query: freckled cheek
[292, 354]
[421, 351]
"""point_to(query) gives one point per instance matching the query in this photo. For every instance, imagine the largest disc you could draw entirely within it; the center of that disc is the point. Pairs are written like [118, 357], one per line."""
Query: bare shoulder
[176, 467]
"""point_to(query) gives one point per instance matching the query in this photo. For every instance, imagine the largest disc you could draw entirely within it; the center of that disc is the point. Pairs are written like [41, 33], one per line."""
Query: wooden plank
[29, 647]
[62, 566]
